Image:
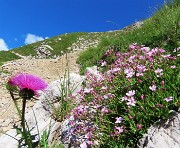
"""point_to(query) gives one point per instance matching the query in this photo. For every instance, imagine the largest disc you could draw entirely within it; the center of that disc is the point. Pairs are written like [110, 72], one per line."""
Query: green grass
[161, 30]
[58, 45]
[54, 42]
[7, 56]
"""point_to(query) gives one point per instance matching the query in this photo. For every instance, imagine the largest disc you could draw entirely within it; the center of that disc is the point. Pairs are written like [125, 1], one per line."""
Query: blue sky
[27, 21]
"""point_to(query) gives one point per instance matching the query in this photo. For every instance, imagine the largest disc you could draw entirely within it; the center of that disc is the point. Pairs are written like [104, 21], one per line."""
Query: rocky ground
[47, 69]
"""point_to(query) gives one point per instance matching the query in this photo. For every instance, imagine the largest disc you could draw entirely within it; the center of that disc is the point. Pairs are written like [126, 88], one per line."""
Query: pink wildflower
[139, 74]
[87, 90]
[162, 50]
[124, 98]
[133, 46]
[130, 93]
[28, 81]
[131, 101]
[108, 52]
[162, 83]
[119, 119]
[104, 110]
[141, 68]
[168, 99]
[118, 130]
[153, 87]
[130, 117]
[103, 63]
[88, 136]
[129, 72]
[159, 72]
[139, 126]
[173, 66]
[83, 145]
[142, 96]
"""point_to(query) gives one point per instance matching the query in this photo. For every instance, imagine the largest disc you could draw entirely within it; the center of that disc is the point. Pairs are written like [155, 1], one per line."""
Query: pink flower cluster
[129, 98]
[98, 92]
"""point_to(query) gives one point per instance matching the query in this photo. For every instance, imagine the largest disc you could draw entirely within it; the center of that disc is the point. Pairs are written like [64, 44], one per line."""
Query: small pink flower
[142, 96]
[104, 110]
[88, 136]
[139, 126]
[139, 74]
[130, 93]
[118, 130]
[173, 66]
[119, 119]
[159, 72]
[87, 90]
[153, 87]
[162, 83]
[141, 68]
[124, 98]
[168, 99]
[103, 63]
[131, 102]
[130, 117]
[129, 72]
[162, 50]
[83, 145]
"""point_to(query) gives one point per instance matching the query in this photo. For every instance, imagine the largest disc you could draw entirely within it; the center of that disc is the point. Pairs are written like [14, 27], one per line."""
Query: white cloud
[3, 45]
[31, 38]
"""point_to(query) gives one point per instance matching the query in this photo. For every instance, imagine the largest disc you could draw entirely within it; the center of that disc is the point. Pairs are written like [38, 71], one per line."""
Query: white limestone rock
[165, 134]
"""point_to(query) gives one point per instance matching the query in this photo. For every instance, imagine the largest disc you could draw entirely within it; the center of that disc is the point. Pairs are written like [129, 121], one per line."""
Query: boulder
[165, 134]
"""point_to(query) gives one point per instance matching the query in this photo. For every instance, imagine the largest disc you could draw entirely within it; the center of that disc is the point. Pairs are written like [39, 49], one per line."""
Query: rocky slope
[48, 69]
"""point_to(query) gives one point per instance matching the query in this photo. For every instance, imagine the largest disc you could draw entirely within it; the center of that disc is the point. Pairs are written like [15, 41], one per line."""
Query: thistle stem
[23, 124]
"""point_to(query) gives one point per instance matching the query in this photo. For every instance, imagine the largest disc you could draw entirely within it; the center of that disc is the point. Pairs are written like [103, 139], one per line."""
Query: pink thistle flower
[28, 81]
[119, 119]
[153, 87]
[168, 99]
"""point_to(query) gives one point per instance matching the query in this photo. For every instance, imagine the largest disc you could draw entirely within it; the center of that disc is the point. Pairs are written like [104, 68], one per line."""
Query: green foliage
[58, 44]
[7, 56]
[44, 140]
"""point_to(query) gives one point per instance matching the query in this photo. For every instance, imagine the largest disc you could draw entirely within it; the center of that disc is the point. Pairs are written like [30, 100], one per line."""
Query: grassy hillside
[161, 30]
[58, 43]
[7, 56]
